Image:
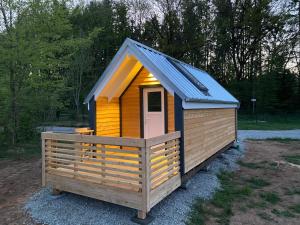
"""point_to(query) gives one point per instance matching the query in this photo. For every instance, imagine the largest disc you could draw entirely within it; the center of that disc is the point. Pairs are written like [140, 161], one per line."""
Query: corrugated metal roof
[216, 92]
[179, 80]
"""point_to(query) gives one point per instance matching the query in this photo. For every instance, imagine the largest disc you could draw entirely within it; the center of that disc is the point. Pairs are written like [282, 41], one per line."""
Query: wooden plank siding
[171, 117]
[107, 117]
[130, 104]
[206, 131]
[108, 169]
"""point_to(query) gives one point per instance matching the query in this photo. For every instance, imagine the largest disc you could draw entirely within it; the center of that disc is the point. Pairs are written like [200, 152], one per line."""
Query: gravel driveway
[263, 134]
[69, 209]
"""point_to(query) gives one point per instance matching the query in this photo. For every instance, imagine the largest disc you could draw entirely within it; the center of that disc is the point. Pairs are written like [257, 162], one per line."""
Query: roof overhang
[121, 71]
[208, 105]
[125, 65]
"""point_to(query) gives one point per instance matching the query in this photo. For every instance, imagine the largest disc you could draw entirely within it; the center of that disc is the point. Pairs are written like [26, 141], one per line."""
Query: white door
[154, 112]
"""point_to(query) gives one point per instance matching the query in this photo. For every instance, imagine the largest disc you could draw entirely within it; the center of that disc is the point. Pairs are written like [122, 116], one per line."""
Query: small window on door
[154, 101]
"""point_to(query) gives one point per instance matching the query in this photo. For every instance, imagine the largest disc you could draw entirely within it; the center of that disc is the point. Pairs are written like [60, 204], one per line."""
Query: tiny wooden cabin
[155, 121]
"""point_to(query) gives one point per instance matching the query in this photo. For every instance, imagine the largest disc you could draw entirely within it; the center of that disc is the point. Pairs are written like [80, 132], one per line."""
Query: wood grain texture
[107, 117]
[171, 122]
[104, 168]
[131, 104]
[206, 131]
[97, 191]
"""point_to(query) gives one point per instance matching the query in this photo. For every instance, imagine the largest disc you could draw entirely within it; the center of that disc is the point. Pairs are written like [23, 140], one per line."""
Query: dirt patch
[265, 190]
[19, 180]
[276, 196]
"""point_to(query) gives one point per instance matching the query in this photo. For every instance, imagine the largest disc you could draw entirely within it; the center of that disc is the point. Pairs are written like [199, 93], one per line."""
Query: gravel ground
[69, 209]
[263, 134]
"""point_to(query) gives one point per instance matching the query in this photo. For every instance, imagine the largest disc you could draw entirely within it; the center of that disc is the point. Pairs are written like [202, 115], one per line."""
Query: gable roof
[189, 83]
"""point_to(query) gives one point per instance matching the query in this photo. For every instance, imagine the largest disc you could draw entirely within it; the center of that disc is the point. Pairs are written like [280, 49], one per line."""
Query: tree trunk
[13, 104]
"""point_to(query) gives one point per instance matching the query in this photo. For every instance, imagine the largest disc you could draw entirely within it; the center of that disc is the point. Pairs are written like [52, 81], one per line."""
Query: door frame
[142, 87]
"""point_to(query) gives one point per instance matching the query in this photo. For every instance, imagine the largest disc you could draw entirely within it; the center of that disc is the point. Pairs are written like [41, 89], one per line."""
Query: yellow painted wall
[131, 105]
[107, 117]
[171, 117]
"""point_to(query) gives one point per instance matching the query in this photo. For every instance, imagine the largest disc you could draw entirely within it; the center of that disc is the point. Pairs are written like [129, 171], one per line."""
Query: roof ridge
[161, 53]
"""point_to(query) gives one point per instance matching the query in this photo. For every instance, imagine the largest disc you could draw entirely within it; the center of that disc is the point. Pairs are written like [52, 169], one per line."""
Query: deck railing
[139, 172]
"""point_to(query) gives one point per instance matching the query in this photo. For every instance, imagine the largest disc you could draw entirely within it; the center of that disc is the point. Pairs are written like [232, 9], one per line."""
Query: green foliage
[270, 197]
[251, 165]
[51, 54]
[257, 182]
[282, 213]
[25, 150]
[295, 159]
[223, 200]
[198, 213]
[295, 208]
[292, 191]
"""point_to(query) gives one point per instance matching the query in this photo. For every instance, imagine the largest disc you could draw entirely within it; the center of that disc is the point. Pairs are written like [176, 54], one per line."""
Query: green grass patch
[222, 201]
[257, 204]
[257, 182]
[250, 165]
[295, 159]
[269, 122]
[198, 214]
[292, 191]
[295, 208]
[281, 140]
[270, 197]
[282, 213]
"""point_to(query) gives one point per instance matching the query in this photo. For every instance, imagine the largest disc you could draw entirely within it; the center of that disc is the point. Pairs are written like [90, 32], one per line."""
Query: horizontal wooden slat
[104, 181]
[112, 150]
[174, 154]
[98, 191]
[98, 166]
[163, 146]
[160, 192]
[132, 164]
[164, 152]
[65, 156]
[91, 139]
[104, 173]
[163, 163]
[155, 183]
[206, 132]
[163, 138]
[167, 169]
[85, 153]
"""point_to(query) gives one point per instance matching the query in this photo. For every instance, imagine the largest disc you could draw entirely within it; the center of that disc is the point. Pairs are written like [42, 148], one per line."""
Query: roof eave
[197, 100]
[107, 70]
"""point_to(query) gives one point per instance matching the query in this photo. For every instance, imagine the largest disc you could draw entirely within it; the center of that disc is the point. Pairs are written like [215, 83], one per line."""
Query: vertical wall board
[166, 104]
[92, 114]
[179, 126]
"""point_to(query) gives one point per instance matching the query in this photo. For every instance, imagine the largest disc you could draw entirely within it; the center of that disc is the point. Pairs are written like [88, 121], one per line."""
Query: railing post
[145, 152]
[43, 161]
[77, 153]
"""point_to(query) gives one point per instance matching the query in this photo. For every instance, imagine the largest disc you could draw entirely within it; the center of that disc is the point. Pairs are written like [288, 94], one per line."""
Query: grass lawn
[258, 192]
[269, 122]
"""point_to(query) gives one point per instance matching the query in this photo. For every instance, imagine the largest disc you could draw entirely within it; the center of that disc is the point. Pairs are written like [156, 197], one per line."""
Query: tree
[35, 54]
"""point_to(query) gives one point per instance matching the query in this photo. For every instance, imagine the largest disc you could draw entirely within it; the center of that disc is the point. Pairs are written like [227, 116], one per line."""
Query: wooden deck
[132, 172]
